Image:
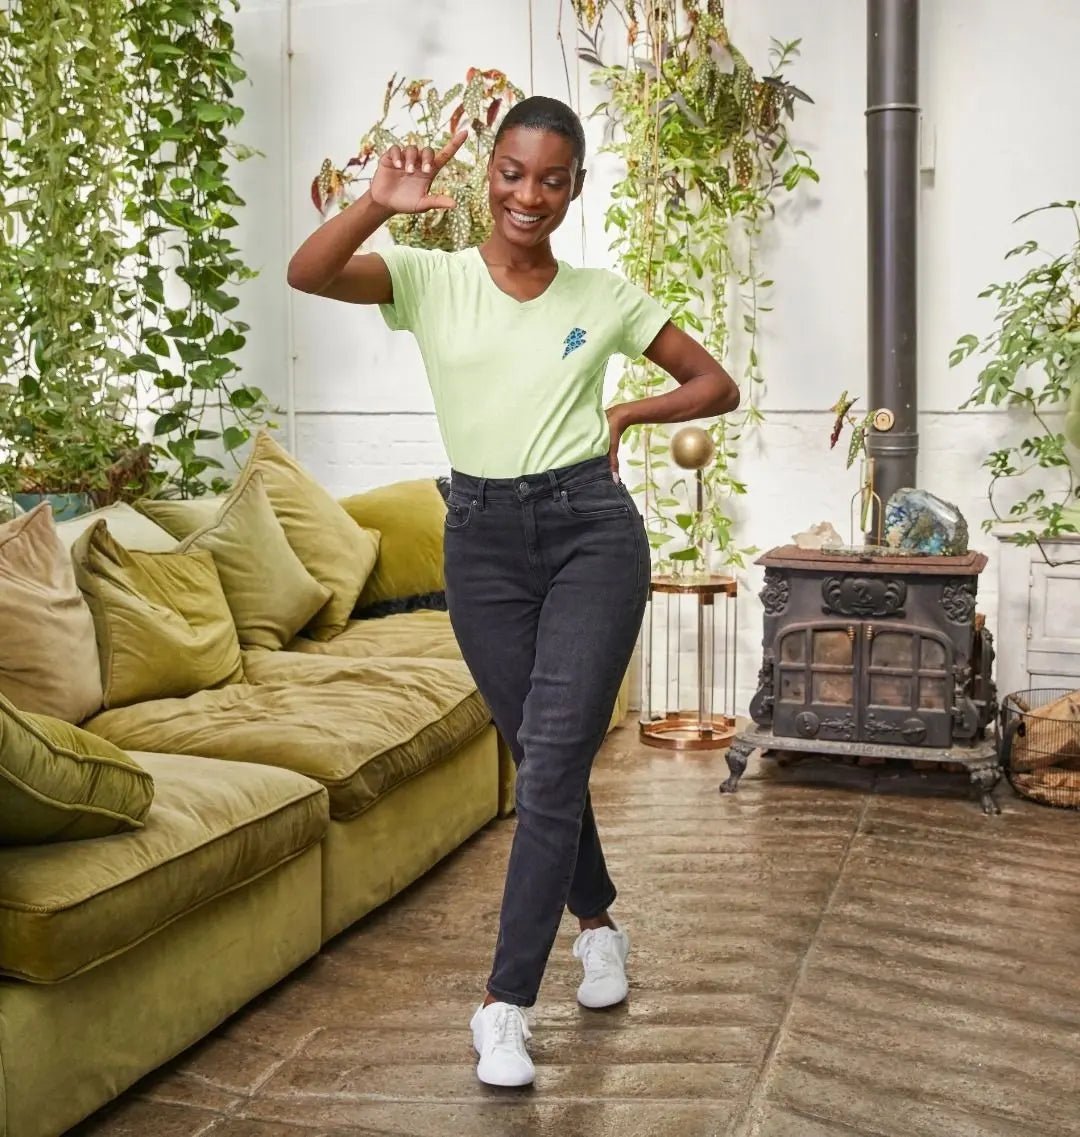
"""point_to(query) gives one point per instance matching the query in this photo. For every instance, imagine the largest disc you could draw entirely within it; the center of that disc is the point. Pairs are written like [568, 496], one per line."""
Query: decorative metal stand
[705, 726]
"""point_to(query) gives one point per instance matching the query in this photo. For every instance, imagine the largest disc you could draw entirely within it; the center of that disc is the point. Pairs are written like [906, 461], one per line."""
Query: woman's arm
[705, 388]
[326, 264]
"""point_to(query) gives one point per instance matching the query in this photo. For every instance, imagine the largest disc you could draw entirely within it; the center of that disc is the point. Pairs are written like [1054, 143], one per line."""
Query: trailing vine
[706, 150]
[117, 268]
[183, 69]
[415, 113]
[65, 410]
[1034, 367]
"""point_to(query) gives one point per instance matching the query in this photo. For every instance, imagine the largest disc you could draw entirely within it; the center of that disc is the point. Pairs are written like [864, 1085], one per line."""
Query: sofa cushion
[416, 635]
[360, 727]
[179, 517]
[60, 783]
[48, 651]
[332, 547]
[214, 826]
[163, 625]
[410, 517]
[126, 524]
[270, 593]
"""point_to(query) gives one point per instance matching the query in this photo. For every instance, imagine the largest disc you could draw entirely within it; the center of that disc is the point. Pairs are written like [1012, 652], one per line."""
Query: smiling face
[532, 178]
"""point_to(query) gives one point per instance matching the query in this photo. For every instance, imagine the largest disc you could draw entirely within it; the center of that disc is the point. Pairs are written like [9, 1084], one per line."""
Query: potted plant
[431, 119]
[1033, 366]
[73, 448]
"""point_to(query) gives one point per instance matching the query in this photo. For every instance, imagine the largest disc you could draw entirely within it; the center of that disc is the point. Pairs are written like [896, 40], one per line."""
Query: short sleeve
[642, 317]
[411, 271]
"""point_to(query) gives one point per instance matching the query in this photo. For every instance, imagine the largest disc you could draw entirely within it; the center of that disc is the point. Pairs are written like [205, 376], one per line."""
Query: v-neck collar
[560, 271]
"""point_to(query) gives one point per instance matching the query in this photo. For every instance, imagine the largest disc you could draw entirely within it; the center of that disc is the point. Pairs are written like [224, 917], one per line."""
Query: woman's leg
[597, 577]
[495, 604]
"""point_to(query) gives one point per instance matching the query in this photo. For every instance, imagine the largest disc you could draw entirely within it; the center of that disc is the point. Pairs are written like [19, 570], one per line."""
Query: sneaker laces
[509, 1031]
[596, 950]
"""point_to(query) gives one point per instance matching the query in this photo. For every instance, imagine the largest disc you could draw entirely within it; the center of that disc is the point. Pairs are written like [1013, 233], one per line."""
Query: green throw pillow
[330, 545]
[60, 783]
[164, 629]
[271, 595]
[410, 517]
[181, 518]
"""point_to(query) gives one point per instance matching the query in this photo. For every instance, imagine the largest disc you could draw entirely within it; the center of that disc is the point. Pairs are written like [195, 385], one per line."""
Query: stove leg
[738, 753]
[984, 779]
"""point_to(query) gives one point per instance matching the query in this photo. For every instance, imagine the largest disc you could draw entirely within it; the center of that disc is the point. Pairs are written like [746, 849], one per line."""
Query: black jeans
[546, 582]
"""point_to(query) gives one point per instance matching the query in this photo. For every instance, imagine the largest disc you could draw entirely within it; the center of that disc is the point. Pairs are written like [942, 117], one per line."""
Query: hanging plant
[65, 405]
[415, 113]
[705, 146]
[183, 68]
[1034, 367]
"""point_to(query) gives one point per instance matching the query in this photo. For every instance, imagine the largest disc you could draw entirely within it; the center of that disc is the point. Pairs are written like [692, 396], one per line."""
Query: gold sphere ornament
[692, 448]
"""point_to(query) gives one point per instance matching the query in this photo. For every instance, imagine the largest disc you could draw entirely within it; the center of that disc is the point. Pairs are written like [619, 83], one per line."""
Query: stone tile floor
[832, 952]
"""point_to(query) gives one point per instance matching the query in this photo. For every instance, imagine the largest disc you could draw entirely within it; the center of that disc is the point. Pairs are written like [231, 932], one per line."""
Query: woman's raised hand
[404, 175]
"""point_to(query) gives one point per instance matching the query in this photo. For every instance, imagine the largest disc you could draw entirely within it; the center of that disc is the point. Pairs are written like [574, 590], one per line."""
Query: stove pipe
[892, 148]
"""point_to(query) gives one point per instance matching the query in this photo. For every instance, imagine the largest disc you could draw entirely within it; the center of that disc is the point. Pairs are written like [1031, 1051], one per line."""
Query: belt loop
[480, 490]
[556, 492]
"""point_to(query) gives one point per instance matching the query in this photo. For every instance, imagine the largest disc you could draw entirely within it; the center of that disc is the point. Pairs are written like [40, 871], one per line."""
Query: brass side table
[666, 722]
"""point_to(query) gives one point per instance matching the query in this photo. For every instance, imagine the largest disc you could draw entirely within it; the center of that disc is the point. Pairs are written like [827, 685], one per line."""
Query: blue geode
[923, 523]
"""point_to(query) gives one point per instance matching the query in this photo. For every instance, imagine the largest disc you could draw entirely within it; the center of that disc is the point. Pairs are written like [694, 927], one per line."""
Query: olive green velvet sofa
[289, 801]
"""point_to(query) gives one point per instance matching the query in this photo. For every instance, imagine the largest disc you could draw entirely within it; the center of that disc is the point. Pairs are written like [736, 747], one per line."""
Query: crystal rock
[923, 523]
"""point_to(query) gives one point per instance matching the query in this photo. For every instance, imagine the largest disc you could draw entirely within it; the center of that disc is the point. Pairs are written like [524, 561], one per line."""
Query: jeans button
[523, 488]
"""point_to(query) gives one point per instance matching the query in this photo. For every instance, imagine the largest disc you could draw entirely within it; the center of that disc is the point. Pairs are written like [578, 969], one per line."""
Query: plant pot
[65, 506]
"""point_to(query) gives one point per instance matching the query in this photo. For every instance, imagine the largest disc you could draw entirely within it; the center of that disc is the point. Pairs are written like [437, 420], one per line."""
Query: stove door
[905, 695]
[816, 681]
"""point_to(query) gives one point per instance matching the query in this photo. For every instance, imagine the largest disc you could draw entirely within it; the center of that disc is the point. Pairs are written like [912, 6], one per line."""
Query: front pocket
[601, 498]
[458, 514]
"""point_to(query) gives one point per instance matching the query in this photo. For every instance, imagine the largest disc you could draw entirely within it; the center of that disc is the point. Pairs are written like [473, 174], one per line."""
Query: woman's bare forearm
[322, 257]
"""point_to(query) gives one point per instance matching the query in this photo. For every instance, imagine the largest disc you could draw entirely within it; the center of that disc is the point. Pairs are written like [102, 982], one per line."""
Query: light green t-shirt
[518, 386]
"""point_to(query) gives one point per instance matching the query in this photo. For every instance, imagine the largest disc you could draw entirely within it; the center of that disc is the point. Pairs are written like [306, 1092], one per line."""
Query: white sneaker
[499, 1035]
[603, 953]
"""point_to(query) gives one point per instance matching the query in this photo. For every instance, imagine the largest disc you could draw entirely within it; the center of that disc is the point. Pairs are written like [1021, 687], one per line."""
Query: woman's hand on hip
[403, 178]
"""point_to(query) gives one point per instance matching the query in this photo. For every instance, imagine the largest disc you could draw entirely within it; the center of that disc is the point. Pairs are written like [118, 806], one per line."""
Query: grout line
[246, 1097]
[301, 1042]
[209, 1128]
[746, 1125]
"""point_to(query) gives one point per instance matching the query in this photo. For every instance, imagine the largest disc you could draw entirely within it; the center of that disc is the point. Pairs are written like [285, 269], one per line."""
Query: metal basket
[1040, 744]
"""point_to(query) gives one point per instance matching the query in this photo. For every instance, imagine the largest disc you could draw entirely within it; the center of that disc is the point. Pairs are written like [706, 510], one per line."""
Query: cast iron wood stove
[875, 656]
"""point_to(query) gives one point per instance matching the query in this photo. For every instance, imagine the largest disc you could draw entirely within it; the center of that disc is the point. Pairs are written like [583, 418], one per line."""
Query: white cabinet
[1038, 632]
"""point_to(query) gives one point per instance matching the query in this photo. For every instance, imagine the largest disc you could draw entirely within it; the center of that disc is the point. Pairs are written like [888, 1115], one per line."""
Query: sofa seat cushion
[213, 827]
[416, 635]
[361, 727]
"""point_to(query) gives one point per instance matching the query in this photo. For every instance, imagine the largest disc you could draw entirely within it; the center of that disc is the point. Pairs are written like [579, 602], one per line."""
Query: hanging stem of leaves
[64, 405]
[186, 267]
[705, 145]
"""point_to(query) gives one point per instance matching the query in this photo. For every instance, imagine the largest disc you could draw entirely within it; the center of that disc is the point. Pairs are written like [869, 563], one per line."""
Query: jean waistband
[530, 486]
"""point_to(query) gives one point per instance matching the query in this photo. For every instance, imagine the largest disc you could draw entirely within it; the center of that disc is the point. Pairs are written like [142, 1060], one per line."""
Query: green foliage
[706, 149]
[859, 427]
[116, 268]
[184, 69]
[1033, 364]
[65, 410]
[415, 113]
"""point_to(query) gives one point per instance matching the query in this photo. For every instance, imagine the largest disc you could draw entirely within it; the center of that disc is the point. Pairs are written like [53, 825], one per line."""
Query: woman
[547, 562]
